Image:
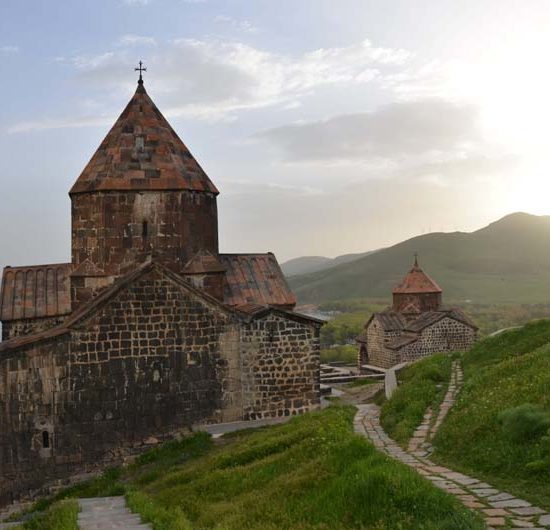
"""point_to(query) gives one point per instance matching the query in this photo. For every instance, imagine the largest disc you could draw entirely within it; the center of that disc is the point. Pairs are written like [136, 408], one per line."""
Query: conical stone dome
[417, 293]
[142, 152]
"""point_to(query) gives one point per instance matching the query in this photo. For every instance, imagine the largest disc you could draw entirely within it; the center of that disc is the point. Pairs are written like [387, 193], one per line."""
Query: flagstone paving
[498, 508]
[108, 513]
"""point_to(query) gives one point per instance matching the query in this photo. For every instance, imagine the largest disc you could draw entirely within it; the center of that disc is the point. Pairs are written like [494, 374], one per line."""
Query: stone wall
[16, 328]
[115, 230]
[154, 358]
[377, 352]
[446, 335]
[281, 362]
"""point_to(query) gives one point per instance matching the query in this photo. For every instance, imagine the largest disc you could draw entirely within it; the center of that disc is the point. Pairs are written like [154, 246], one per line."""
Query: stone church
[149, 329]
[416, 325]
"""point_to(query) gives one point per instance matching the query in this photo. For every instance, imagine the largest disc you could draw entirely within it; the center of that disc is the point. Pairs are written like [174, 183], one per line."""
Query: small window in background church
[145, 229]
[45, 439]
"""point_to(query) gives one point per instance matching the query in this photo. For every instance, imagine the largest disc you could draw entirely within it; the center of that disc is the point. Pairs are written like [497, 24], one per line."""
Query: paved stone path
[420, 443]
[498, 508]
[108, 513]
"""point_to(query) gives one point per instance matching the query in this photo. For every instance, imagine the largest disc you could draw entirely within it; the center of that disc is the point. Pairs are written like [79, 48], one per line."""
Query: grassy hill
[499, 428]
[313, 473]
[505, 262]
[309, 264]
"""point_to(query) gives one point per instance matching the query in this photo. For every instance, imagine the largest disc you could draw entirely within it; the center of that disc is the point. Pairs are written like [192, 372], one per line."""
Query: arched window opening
[144, 229]
[45, 439]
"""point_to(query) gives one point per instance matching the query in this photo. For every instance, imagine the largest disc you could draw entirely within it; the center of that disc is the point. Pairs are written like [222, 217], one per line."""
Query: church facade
[417, 325]
[149, 329]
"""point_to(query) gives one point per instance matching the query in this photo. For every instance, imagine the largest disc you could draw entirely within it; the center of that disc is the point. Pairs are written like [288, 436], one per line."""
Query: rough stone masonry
[149, 329]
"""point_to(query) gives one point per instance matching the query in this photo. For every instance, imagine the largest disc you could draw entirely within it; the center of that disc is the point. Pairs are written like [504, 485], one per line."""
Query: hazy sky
[329, 126]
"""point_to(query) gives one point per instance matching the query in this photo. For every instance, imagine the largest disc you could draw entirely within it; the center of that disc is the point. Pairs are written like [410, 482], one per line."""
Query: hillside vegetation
[309, 264]
[498, 429]
[506, 262]
[421, 385]
[312, 473]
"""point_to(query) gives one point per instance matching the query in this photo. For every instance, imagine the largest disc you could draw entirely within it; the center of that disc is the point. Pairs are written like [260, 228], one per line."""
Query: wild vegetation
[60, 516]
[498, 428]
[422, 385]
[338, 334]
[312, 473]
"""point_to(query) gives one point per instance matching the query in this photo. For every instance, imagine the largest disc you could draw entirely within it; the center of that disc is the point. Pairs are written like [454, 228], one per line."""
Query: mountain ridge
[505, 261]
[309, 264]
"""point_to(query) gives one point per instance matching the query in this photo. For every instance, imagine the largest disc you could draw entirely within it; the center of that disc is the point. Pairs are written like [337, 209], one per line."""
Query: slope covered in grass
[60, 516]
[312, 473]
[496, 430]
[421, 385]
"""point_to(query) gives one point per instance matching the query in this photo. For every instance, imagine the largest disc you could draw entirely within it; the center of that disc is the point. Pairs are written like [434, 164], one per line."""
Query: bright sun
[510, 84]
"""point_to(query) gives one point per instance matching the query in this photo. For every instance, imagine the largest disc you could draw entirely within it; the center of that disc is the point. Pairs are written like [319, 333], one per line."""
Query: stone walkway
[498, 508]
[108, 513]
[420, 443]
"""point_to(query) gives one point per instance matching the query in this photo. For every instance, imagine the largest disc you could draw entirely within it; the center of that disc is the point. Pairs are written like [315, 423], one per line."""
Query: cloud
[395, 130]
[430, 140]
[213, 79]
[240, 25]
[136, 40]
[9, 49]
[137, 2]
[62, 123]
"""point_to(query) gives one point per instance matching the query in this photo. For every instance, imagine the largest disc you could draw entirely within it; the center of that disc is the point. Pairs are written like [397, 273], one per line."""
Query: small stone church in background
[416, 325]
[149, 328]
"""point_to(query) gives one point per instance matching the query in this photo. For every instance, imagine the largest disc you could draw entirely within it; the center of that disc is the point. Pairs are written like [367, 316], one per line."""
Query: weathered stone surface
[155, 358]
[415, 326]
[149, 330]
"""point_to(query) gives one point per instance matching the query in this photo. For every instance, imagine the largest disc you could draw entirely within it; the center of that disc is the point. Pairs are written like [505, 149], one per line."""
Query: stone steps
[108, 513]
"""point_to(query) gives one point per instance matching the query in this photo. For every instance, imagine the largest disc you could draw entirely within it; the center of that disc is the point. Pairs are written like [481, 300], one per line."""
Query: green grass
[311, 473]
[364, 382]
[347, 325]
[345, 353]
[61, 516]
[422, 384]
[502, 373]
[507, 345]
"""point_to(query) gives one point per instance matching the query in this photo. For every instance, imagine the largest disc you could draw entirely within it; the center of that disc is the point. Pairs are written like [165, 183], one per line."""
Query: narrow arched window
[144, 229]
[45, 439]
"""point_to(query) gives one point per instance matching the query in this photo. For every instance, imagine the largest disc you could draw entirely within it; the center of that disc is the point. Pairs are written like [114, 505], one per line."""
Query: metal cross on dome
[140, 69]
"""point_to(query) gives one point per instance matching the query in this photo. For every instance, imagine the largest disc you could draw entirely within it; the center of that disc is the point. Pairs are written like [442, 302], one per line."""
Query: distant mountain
[507, 261]
[309, 264]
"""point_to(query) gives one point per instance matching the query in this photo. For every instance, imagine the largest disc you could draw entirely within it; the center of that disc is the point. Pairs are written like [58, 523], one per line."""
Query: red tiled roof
[255, 279]
[417, 281]
[35, 292]
[142, 152]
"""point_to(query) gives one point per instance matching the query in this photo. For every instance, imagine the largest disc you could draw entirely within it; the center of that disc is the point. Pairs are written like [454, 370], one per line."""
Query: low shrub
[525, 423]
[61, 516]
[345, 353]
